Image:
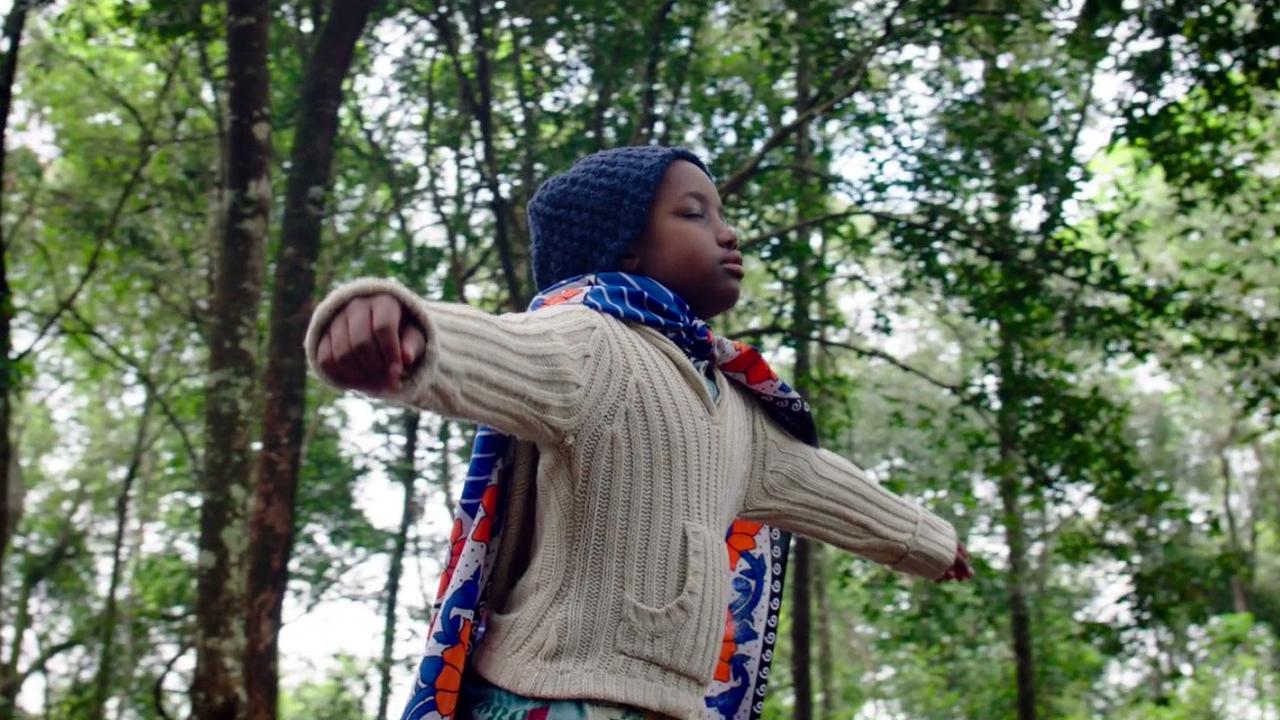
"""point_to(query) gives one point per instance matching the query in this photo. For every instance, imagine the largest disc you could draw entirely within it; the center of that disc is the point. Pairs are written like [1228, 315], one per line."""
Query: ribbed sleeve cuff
[932, 548]
[365, 287]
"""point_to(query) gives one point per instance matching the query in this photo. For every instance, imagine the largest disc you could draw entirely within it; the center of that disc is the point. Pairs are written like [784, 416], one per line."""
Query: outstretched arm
[525, 374]
[821, 495]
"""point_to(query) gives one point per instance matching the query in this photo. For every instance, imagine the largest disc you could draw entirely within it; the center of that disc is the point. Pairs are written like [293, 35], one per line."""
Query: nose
[727, 236]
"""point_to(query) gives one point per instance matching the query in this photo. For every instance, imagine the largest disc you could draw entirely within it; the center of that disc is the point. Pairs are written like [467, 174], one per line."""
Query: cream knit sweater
[612, 578]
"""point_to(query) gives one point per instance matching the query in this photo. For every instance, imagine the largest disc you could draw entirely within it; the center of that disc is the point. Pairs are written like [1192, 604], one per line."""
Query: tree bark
[1235, 549]
[13, 25]
[1015, 533]
[217, 691]
[822, 606]
[516, 272]
[802, 324]
[514, 269]
[644, 124]
[407, 472]
[37, 570]
[801, 631]
[102, 683]
[276, 480]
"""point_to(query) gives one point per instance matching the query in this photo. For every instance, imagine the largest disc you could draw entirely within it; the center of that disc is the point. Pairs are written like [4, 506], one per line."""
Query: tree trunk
[271, 528]
[801, 632]
[822, 606]
[102, 684]
[13, 25]
[133, 645]
[217, 691]
[9, 675]
[407, 472]
[514, 269]
[481, 109]
[446, 464]
[644, 123]
[1235, 549]
[37, 570]
[1015, 533]
[802, 326]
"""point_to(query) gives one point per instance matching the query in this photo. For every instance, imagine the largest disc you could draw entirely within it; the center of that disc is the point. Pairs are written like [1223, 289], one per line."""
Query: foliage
[1031, 248]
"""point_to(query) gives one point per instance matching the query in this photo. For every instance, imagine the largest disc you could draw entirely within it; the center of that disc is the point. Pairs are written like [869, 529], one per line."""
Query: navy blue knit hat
[586, 218]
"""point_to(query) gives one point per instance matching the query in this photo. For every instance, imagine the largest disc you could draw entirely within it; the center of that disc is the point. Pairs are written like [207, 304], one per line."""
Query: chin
[721, 305]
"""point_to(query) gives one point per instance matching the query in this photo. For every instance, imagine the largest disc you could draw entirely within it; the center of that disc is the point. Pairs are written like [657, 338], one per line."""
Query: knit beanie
[585, 219]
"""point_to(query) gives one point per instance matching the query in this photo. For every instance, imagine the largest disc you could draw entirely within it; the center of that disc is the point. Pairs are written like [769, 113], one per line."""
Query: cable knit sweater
[611, 582]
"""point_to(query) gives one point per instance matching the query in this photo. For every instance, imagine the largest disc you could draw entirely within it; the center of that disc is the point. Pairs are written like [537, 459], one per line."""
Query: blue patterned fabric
[757, 553]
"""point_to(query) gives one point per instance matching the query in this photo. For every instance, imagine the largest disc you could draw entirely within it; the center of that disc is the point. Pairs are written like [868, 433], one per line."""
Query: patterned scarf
[757, 553]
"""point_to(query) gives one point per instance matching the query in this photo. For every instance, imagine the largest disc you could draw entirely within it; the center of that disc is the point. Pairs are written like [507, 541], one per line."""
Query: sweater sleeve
[821, 495]
[524, 374]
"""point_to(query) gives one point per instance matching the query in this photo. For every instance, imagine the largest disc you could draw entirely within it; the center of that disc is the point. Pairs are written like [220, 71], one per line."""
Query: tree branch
[146, 150]
[867, 352]
[157, 690]
[855, 69]
[156, 391]
[801, 225]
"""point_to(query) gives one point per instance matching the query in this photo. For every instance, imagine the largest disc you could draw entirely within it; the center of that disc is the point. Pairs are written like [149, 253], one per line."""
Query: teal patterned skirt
[482, 700]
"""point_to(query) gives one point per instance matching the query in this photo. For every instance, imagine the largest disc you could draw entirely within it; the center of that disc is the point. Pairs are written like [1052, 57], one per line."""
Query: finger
[413, 344]
[386, 332]
[366, 359]
[324, 357]
[341, 349]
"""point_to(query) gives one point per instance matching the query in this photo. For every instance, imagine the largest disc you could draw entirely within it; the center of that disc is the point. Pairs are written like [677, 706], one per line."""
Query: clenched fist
[960, 570]
[370, 343]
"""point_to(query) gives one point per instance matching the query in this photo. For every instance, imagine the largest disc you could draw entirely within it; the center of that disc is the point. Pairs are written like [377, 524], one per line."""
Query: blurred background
[1022, 256]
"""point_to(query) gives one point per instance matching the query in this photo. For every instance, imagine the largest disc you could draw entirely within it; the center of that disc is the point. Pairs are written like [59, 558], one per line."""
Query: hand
[370, 343]
[960, 569]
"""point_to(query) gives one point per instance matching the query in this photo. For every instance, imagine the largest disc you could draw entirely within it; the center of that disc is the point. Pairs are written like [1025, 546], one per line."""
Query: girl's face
[686, 244]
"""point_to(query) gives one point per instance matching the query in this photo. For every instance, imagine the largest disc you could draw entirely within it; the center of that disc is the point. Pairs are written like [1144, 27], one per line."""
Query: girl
[636, 465]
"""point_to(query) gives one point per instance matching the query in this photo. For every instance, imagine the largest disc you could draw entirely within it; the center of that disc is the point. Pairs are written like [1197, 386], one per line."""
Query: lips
[733, 265]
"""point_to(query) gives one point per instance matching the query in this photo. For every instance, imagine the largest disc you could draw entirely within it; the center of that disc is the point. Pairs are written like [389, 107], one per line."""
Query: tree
[271, 527]
[13, 25]
[218, 691]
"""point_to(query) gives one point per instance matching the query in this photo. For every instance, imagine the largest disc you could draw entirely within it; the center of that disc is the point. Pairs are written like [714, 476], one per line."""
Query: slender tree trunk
[1015, 533]
[822, 605]
[13, 25]
[37, 571]
[446, 464]
[102, 684]
[1239, 598]
[132, 645]
[514, 269]
[644, 123]
[9, 675]
[529, 125]
[481, 109]
[802, 326]
[310, 170]
[407, 472]
[217, 691]
[801, 629]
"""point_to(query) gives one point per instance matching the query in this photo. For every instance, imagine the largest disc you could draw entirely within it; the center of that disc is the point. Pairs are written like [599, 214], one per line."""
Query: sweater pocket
[681, 636]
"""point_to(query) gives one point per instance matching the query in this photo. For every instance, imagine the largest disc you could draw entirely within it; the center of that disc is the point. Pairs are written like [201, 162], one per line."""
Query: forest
[1022, 256]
